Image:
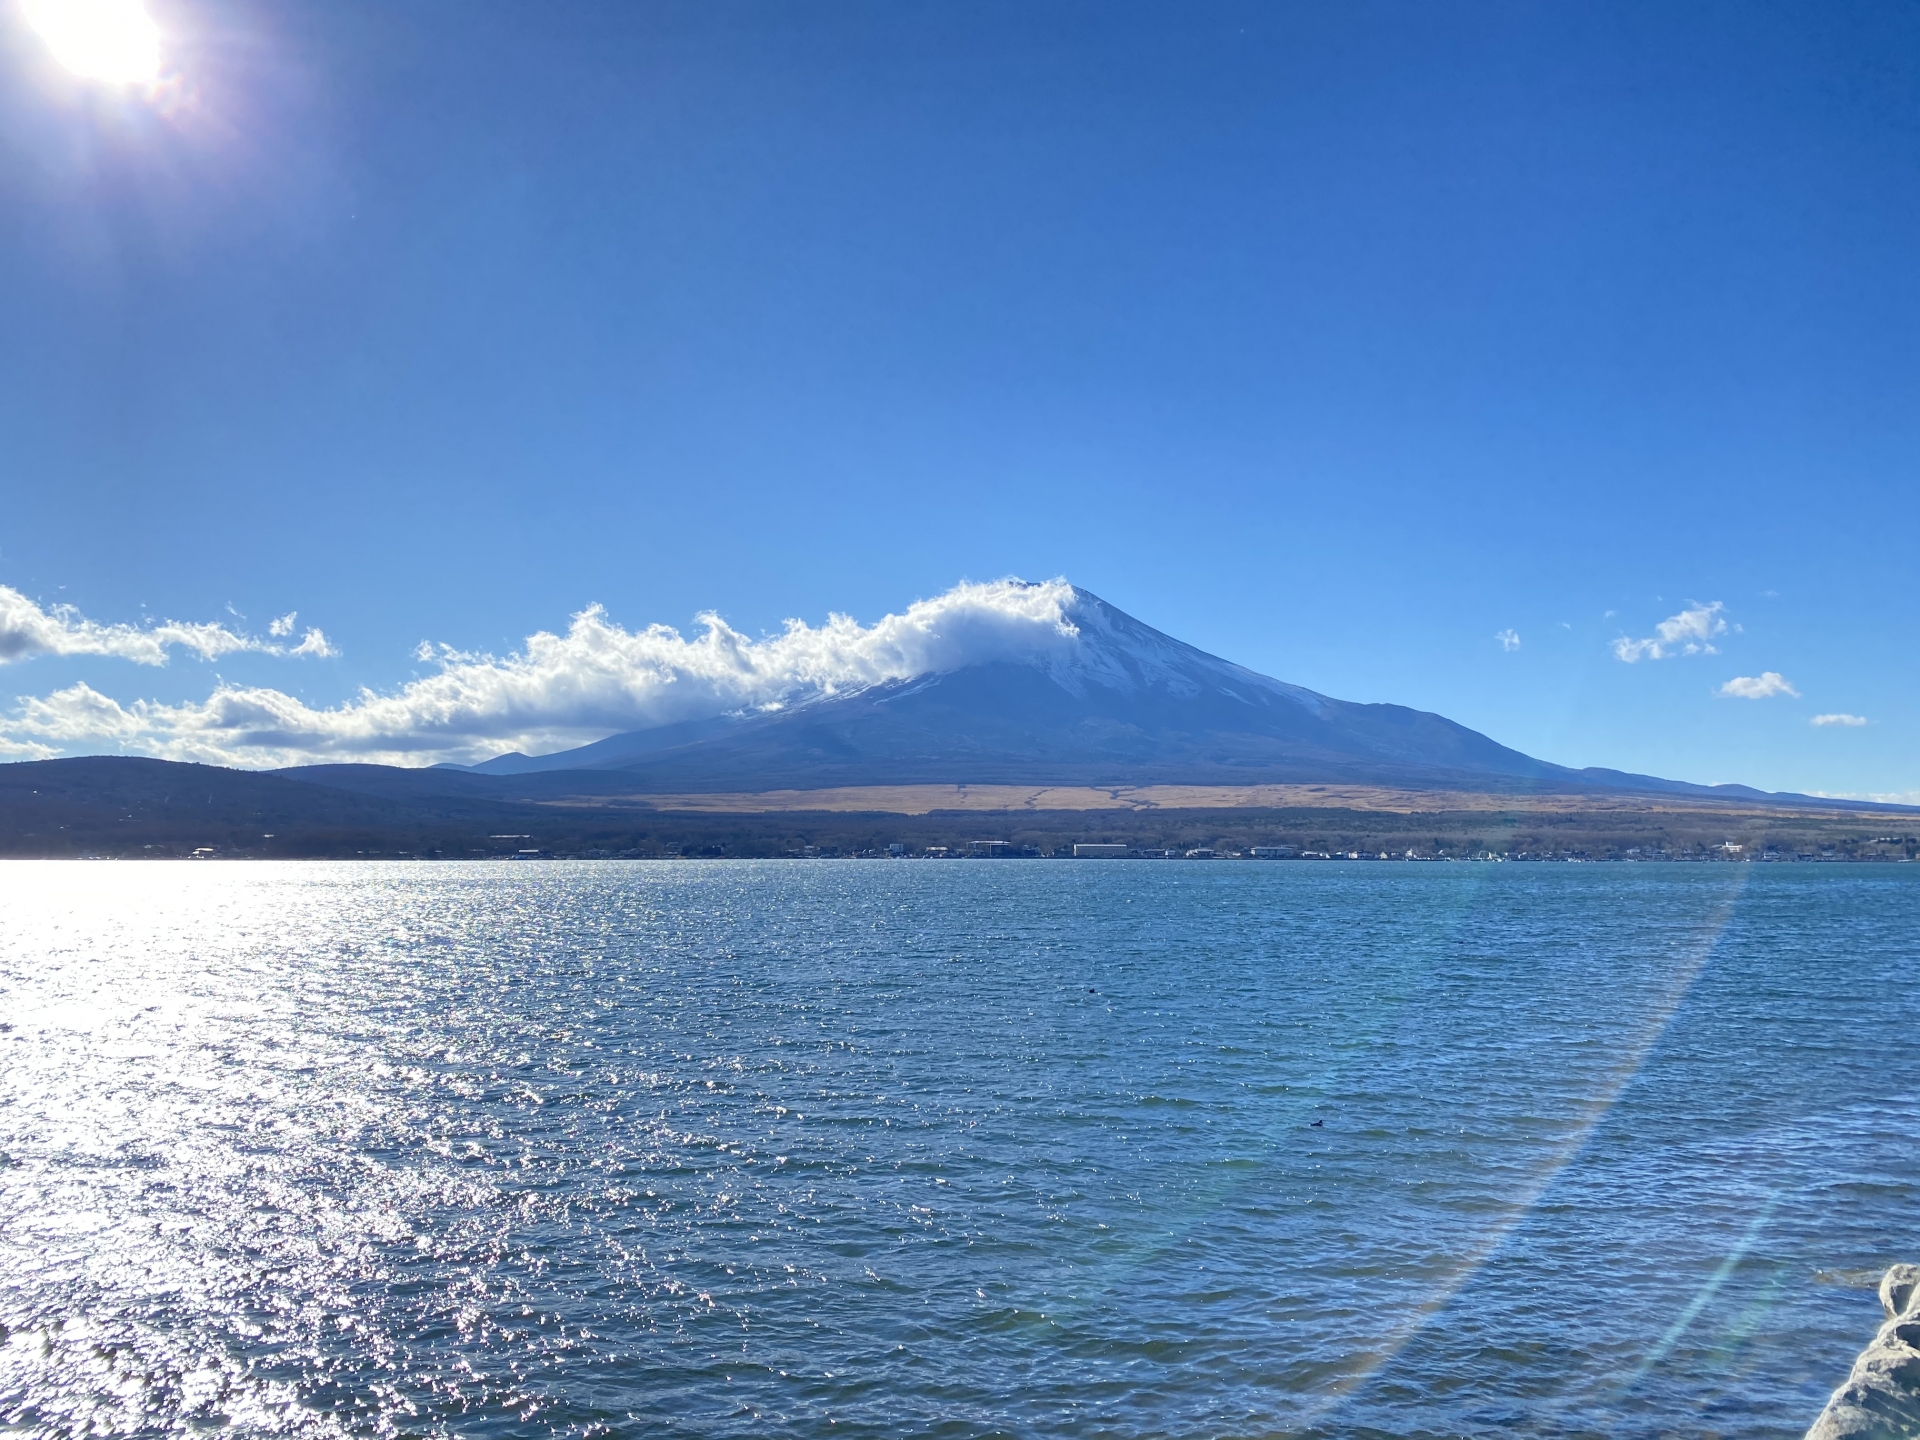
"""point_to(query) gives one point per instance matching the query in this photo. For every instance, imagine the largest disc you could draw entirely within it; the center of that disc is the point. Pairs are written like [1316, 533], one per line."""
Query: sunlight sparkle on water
[736, 1148]
[111, 40]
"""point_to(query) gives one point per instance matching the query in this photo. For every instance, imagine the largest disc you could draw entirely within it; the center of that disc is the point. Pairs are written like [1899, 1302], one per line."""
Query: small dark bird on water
[1316, 1124]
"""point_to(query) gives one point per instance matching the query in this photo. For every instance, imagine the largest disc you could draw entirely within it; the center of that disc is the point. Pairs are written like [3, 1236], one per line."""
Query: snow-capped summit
[1109, 648]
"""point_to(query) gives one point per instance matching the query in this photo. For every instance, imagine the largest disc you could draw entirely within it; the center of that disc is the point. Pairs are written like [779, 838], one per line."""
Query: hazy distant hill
[124, 806]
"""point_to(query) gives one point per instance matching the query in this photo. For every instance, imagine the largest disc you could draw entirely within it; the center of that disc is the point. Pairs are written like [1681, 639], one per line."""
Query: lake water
[963, 1149]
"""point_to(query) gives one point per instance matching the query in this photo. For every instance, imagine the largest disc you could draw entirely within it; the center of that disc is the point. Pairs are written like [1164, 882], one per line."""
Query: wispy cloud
[560, 690]
[1509, 639]
[1758, 687]
[1838, 718]
[1691, 632]
[314, 643]
[28, 629]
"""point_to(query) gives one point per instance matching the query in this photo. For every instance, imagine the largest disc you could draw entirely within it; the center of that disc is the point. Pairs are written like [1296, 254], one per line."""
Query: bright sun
[111, 40]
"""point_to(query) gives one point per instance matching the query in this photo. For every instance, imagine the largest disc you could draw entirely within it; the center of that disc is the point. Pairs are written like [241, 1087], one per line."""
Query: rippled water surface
[965, 1149]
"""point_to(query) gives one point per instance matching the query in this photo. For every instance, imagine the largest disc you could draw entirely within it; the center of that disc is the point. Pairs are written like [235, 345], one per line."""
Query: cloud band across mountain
[560, 690]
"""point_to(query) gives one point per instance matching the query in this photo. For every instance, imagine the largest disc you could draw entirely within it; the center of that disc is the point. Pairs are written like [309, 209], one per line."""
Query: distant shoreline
[1319, 857]
[114, 807]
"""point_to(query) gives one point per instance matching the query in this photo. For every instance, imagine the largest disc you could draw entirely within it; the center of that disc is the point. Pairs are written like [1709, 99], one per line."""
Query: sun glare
[111, 40]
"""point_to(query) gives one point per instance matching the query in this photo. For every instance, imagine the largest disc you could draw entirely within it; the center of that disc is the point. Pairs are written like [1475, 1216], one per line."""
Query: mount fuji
[1107, 701]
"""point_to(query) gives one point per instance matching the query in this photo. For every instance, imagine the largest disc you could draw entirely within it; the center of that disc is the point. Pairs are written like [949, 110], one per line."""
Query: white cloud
[1758, 687]
[28, 629]
[314, 643]
[1509, 639]
[561, 690]
[284, 625]
[1691, 632]
[1838, 719]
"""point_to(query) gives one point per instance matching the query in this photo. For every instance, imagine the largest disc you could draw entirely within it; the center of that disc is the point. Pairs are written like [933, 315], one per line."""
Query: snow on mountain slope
[1109, 648]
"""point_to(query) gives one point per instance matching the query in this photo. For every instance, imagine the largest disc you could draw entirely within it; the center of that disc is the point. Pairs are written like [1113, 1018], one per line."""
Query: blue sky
[1337, 340]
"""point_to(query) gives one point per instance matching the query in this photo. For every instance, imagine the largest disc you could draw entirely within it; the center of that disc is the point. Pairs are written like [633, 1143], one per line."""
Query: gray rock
[1881, 1399]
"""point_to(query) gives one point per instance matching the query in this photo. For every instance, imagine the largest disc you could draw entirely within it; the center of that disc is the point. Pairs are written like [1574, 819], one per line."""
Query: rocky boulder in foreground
[1881, 1399]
